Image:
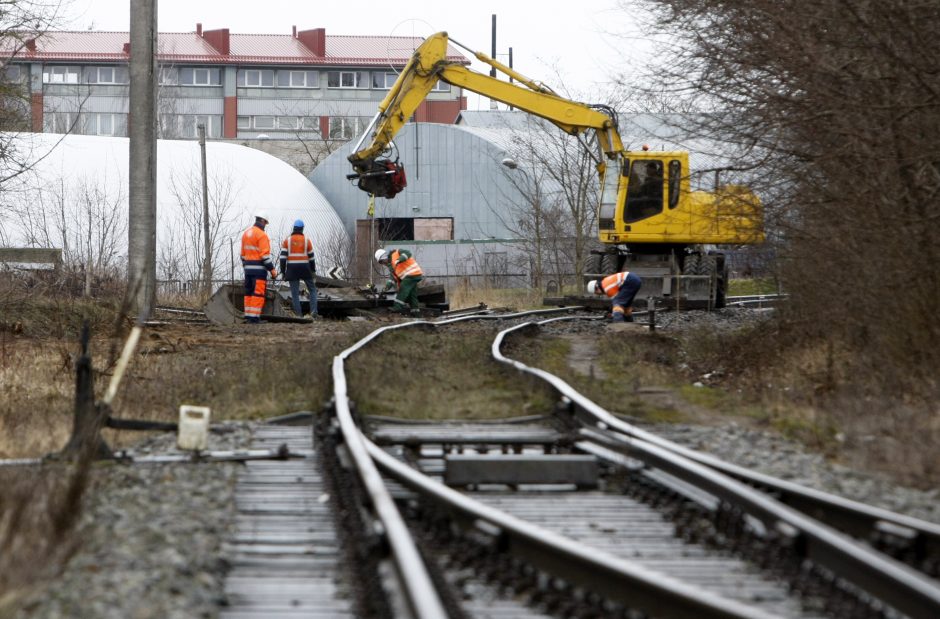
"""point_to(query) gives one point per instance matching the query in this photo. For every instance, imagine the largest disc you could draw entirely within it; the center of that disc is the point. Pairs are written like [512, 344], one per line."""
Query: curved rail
[621, 579]
[885, 578]
[857, 519]
[421, 595]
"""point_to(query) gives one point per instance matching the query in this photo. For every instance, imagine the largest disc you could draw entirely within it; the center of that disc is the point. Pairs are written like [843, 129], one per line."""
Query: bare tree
[835, 107]
[184, 258]
[22, 22]
[85, 217]
[338, 250]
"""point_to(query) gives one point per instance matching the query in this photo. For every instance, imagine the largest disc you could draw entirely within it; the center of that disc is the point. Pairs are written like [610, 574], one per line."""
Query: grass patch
[750, 286]
[617, 375]
[410, 374]
[516, 298]
[39, 511]
[708, 397]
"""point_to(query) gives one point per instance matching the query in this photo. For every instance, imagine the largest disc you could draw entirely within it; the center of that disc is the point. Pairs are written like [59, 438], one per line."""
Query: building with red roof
[305, 84]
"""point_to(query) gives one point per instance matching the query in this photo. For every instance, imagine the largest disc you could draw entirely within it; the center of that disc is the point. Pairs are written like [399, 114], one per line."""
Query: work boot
[416, 312]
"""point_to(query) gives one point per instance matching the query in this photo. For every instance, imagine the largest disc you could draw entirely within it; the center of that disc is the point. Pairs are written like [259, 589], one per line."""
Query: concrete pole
[142, 177]
[207, 263]
[493, 56]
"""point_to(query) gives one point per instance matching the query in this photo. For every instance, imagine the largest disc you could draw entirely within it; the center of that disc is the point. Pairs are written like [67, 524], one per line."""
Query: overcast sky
[549, 38]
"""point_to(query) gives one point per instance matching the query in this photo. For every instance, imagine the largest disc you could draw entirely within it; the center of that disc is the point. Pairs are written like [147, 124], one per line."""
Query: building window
[441, 86]
[169, 76]
[256, 78]
[383, 81]
[395, 228]
[310, 123]
[347, 127]
[298, 79]
[13, 73]
[243, 122]
[195, 76]
[104, 124]
[287, 123]
[60, 75]
[59, 122]
[264, 122]
[106, 75]
[186, 125]
[347, 79]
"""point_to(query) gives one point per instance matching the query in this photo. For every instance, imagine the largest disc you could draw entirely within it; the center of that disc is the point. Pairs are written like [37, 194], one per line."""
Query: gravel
[152, 536]
[776, 456]
[151, 539]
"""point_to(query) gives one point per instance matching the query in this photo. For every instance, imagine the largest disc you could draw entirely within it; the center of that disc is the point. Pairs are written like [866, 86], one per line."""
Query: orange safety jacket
[612, 283]
[405, 268]
[256, 252]
[297, 260]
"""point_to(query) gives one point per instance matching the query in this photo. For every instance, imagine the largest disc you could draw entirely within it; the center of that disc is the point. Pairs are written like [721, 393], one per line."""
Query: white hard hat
[380, 255]
[592, 286]
[262, 215]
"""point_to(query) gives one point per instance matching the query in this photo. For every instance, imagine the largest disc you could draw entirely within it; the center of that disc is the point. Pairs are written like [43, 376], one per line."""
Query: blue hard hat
[299, 223]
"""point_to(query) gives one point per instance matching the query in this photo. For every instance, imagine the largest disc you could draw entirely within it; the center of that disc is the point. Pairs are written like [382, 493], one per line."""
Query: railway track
[581, 514]
[570, 513]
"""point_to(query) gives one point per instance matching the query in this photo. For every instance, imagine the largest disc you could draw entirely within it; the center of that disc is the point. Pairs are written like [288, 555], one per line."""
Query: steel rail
[887, 579]
[853, 517]
[658, 592]
[614, 577]
[415, 581]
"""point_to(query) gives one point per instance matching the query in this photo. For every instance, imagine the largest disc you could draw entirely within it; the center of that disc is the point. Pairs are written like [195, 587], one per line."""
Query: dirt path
[582, 357]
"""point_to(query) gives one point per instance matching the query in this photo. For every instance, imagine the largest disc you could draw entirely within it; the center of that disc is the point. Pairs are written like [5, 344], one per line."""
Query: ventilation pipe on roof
[199, 29]
[294, 31]
[31, 45]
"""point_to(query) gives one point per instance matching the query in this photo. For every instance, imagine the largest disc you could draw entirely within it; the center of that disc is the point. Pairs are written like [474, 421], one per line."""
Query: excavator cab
[644, 190]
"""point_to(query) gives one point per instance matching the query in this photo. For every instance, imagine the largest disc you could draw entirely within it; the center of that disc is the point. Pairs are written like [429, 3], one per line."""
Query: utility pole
[493, 56]
[207, 263]
[142, 177]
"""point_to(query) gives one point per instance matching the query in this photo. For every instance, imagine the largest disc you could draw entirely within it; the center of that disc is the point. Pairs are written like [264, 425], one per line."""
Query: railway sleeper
[582, 471]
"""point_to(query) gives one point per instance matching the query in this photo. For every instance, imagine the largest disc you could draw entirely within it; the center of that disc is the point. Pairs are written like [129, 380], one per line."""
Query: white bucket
[193, 428]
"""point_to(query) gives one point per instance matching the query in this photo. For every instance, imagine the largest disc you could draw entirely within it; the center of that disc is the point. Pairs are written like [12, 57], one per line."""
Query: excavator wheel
[610, 263]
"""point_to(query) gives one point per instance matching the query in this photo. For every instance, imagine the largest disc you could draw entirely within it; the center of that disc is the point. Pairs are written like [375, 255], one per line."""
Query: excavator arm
[378, 175]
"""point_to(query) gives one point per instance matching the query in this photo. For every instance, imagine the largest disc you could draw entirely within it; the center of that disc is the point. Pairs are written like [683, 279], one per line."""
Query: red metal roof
[341, 50]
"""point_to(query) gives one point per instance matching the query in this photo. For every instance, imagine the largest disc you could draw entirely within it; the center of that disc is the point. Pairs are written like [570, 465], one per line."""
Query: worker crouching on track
[298, 265]
[622, 288]
[405, 274]
[256, 260]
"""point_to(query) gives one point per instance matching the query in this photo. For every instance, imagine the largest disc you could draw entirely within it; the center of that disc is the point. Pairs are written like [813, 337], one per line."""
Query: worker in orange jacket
[405, 274]
[622, 289]
[298, 264]
[257, 262]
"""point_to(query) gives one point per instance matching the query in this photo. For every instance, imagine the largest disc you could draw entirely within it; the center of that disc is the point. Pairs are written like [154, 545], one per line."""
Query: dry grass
[39, 510]
[517, 298]
[413, 377]
[816, 390]
[240, 373]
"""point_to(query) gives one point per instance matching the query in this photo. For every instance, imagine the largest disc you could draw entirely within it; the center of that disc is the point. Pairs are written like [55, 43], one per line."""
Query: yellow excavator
[649, 219]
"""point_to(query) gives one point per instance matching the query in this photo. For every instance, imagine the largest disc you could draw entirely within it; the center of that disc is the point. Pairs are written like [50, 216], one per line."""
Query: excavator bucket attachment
[381, 177]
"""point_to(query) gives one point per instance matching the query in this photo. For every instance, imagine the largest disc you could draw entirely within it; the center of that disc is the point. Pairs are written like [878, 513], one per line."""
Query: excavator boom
[429, 64]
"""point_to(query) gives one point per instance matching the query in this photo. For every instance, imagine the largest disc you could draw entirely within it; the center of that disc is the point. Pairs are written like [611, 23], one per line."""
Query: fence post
[88, 419]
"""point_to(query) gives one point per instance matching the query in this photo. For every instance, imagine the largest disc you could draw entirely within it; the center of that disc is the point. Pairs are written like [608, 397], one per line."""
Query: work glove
[273, 274]
[389, 284]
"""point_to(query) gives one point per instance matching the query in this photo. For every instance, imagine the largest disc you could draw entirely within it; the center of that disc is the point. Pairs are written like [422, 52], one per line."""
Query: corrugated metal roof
[341, 50]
